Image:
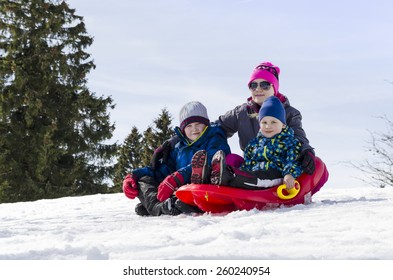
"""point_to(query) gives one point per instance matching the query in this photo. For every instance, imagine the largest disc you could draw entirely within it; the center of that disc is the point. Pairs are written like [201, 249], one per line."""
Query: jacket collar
[187, 141]
[285, 132]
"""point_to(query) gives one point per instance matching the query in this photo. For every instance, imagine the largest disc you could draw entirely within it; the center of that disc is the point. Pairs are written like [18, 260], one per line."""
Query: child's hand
[130, 186]
[169, 185]
[289, 181]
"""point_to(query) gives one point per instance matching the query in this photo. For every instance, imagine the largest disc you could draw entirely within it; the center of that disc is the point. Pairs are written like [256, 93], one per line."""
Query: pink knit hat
[268, 72]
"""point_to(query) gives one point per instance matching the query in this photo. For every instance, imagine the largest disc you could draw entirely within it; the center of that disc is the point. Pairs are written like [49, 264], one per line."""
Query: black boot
[186, 208]
[168, 207]
[140, 210]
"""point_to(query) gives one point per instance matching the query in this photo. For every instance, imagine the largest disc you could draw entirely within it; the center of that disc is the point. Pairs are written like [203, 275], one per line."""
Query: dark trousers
[148, 188]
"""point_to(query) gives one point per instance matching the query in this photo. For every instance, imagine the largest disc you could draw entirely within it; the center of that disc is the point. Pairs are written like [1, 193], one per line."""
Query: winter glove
[163, 152]
[307, 159]
[169, 185]
[130, 186]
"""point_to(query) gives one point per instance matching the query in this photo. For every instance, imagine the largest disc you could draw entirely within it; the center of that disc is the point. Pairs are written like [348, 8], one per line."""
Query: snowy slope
[341, 223]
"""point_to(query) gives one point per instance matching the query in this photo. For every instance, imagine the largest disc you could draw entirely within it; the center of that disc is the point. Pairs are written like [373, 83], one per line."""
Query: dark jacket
[212, 140]
[242, 120]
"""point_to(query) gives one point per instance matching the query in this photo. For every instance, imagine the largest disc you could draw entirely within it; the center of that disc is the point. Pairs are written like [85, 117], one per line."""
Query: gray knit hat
[193, 111]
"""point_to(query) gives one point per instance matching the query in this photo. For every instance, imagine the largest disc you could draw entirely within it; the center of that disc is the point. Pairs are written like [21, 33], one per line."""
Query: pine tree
[148, 145]
[164, 129]
[129, 158]
[137, 149]
[153, 137]
[52, 127]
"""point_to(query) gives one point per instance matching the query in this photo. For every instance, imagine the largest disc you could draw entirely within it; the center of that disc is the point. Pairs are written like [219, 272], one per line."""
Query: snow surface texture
[340, 224]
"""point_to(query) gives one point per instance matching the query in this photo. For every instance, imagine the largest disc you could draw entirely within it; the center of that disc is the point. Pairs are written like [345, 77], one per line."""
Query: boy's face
[270, 126]
[194, 130]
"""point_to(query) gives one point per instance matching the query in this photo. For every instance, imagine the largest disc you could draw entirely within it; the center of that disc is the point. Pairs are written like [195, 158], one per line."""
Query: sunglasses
[263, 85]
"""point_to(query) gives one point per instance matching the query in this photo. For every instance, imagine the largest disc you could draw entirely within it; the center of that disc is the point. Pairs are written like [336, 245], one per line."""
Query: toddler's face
[270, 126]
[194, 130]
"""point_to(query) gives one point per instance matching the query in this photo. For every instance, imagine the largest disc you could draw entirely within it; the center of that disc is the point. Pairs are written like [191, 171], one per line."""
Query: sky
[341, 224]
[335, 57]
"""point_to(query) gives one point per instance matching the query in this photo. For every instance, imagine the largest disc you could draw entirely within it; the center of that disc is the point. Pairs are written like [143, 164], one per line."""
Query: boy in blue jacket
[269, 159]
[155, 188]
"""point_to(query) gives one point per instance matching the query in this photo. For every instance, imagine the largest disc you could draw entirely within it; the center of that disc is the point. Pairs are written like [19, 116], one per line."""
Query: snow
[340, 224]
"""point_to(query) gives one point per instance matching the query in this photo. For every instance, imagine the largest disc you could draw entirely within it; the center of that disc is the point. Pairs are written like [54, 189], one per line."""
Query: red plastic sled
[219, 199]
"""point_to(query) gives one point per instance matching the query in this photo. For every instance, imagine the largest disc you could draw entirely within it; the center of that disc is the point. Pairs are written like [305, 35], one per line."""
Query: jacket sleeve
[143, 171]
[294, 121]
[159, 174]
[167, 168]
[292, 165]
[229, 122]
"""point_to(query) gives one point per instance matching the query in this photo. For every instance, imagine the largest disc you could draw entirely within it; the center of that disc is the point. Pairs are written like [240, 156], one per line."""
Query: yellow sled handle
[285, 194]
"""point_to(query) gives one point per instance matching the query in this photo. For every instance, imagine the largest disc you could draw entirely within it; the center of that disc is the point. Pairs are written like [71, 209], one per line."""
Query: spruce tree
[163, 124]
[148, 145]
[129, 158]
[52, 128]
[156, 135]
[137, 150]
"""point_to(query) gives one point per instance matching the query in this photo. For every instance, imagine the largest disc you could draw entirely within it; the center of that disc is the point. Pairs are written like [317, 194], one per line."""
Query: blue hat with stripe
[272, 107]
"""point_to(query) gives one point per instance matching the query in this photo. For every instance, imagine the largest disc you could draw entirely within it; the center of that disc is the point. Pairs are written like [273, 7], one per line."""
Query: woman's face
[260, 94]
[194, 130]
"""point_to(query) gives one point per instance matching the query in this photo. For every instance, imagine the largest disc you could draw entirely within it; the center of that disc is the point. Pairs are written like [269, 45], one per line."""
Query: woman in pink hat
[263, 83]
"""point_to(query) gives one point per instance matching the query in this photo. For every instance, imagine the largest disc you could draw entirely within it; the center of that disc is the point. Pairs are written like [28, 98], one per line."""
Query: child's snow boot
[186, 208]
[168, 207]
[141, 210]
[218, 168]
[199, 168]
